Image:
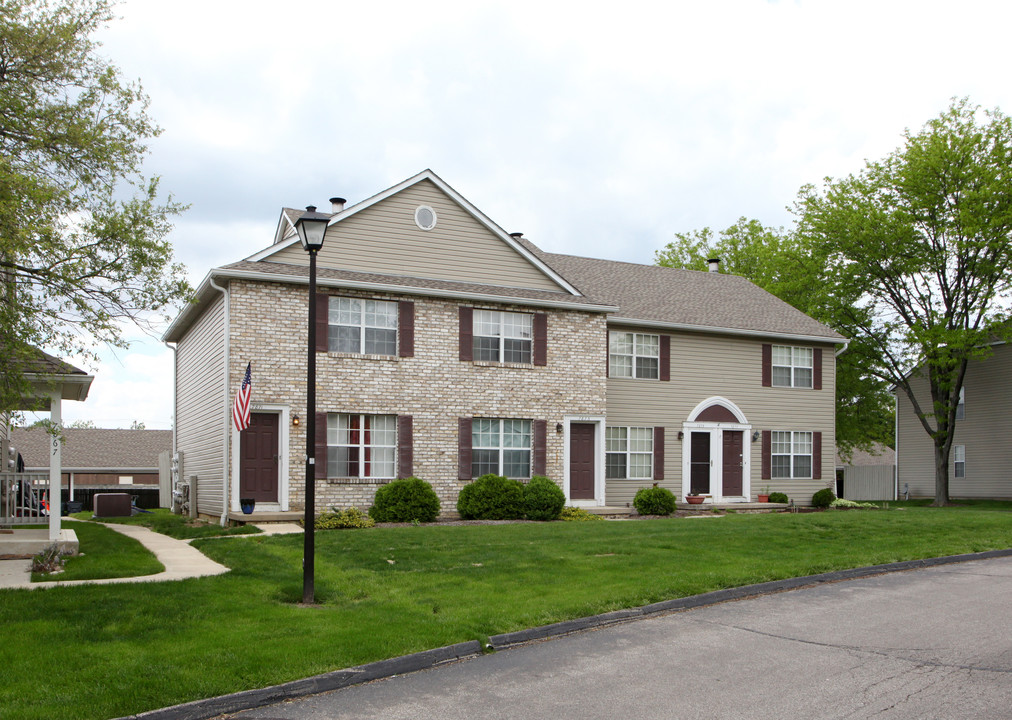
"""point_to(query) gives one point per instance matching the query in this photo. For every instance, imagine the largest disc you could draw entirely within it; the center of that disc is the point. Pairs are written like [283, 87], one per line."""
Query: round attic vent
[425, 217]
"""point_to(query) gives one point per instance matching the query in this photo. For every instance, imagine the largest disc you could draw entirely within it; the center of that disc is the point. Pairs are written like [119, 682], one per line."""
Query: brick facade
[268, 324]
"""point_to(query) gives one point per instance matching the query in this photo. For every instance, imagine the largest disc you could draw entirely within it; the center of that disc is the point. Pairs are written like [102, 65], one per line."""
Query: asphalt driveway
[930, 643]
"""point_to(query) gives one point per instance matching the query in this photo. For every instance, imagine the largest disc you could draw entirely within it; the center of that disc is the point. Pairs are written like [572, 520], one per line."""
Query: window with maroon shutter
[767, 453]
[767, 365]
[320, 446]
[540, 331]
[665, 359]
[406, 328]
[658, 453]
[464, 447]
[322, 322]
[540, 461]
[466, 341]
[816, 455]
[405, 446]
[817, 369]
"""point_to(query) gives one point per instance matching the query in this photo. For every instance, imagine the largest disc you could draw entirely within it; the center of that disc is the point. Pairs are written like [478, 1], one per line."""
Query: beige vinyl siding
[984, 431]
[200, 405]
[385, 239]
[705, 366]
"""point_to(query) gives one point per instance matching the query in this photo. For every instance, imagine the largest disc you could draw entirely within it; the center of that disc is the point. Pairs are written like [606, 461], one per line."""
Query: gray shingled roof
[686, 297]
[94, 450]
[45, 364]
[285, 270]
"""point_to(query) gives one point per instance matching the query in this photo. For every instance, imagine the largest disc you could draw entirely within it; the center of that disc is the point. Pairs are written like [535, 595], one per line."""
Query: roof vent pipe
[714, 264]
[337, 204]
[516, 235]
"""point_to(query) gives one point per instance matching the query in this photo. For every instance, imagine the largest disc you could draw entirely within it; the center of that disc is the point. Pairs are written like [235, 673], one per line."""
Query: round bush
[575, 514]
[491, 497]
[343, 519]
[543, 499]
[407, 500]
[778, 497]
[654, 501]
[823, 498]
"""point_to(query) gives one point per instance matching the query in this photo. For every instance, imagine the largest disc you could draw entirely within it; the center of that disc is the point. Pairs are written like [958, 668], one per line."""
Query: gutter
[225, 480]
[713, 330]
[838, 353]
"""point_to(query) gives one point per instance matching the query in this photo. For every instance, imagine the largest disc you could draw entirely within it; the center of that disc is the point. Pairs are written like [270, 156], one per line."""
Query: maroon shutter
[464, 448]
[322, 322]
[767, 461]
[658, 453]
[406, 328]
[540, 447]
[405, 446]
[466, 333]
[540, 327]
[817, 369]
[767, 365]
[665, 357]
[320, 442]
[816, 455]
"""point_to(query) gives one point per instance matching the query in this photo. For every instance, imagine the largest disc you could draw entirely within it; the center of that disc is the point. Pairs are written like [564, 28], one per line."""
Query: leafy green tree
[918, 251]
[82, 231]
[786, 265]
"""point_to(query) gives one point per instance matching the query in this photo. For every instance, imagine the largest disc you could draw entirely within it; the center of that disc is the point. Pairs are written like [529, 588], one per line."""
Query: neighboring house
[97, 457]
[981, 454]
[448, 348]
[867, 474]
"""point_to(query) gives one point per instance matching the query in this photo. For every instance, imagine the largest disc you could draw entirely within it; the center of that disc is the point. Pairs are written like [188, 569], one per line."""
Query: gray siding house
[981, 456]
[448, 348]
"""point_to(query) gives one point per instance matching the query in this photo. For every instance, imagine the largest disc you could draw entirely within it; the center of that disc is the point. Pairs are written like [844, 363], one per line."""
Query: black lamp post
[311, 226]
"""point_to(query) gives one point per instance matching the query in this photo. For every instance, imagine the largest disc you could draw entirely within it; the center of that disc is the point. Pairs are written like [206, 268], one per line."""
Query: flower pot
[695, 499]
[247, 505]
[764, 498]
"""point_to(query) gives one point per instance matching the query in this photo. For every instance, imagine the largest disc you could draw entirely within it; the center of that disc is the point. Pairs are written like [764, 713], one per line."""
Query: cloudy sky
[596, 129]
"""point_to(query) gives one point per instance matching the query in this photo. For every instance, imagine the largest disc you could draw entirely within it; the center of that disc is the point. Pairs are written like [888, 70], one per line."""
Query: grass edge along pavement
[441, 585]
[209, 708]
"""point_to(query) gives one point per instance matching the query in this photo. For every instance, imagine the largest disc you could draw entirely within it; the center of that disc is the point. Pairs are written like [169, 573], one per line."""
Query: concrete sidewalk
[181, 561]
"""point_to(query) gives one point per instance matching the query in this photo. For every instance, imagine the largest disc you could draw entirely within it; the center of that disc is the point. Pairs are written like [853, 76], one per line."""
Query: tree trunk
[941, 473]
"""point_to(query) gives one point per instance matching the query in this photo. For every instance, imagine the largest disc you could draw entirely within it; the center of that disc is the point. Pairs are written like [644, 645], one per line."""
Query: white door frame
[716, 430]
[284, 423]
[598, 422]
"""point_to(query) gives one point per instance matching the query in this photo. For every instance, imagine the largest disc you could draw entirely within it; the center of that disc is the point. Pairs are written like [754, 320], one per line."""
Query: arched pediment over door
[716, 452]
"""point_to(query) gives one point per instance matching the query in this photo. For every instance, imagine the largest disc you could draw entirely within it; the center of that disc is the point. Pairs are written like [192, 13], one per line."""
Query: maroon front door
[581, 461]
[258, 458]
[732, 462]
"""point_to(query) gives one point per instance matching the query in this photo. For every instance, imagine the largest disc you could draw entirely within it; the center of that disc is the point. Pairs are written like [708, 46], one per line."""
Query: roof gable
[380, 235]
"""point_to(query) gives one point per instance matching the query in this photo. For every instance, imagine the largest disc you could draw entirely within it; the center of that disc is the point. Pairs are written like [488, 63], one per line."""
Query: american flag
[240, 409]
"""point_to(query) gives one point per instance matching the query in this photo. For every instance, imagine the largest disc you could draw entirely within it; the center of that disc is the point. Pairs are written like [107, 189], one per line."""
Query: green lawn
[177, 526]
[105, 553]
[122, 649]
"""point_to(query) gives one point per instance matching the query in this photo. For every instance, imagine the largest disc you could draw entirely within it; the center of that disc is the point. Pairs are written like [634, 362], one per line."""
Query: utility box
[111, 505]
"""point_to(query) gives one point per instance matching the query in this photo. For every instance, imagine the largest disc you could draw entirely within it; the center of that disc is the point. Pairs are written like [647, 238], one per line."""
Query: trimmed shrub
[654, 501]
[407, 500]
[343, 519]
[575, 514]
[543, 499]
[778, 497]
[491, 497]
[823, 498]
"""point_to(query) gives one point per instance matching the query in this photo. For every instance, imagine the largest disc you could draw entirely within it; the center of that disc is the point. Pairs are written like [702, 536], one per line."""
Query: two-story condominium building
[448, 348]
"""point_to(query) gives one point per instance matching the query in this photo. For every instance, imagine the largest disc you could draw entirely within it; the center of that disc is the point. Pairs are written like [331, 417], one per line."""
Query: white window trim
[792, 455]
[502, 448]
[959, 458]
[362, 326]
[961, 405]
[628, 452]
[502, 336]
[793, 367]
[362, 446]
[633, 356]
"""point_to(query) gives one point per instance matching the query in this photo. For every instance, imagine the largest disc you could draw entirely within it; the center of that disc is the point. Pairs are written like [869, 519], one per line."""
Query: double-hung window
[959, 461]
[791, 454]
[501, 447]
[359, 325]
[501, 336]
[634, 355]
[961, 406]
[792, 366]
[361, 446]
[629, 452]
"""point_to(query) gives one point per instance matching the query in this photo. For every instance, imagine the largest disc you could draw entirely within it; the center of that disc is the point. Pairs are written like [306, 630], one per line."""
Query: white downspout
[175, 396]
[839, 352]
[225, 479]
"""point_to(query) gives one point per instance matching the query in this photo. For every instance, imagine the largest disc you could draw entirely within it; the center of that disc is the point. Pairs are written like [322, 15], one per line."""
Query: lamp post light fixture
[311, 226]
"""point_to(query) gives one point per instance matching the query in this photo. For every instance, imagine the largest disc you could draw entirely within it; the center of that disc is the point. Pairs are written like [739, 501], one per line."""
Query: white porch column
[55, 466]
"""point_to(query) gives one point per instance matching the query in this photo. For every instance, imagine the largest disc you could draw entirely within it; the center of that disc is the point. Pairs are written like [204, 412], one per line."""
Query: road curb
[210, 707]
[248, 699]
[521, 637]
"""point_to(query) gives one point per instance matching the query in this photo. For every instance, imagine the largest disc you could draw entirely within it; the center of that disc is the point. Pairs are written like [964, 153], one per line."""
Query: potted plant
[247, 505]
[764, 496]
[694, 499]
